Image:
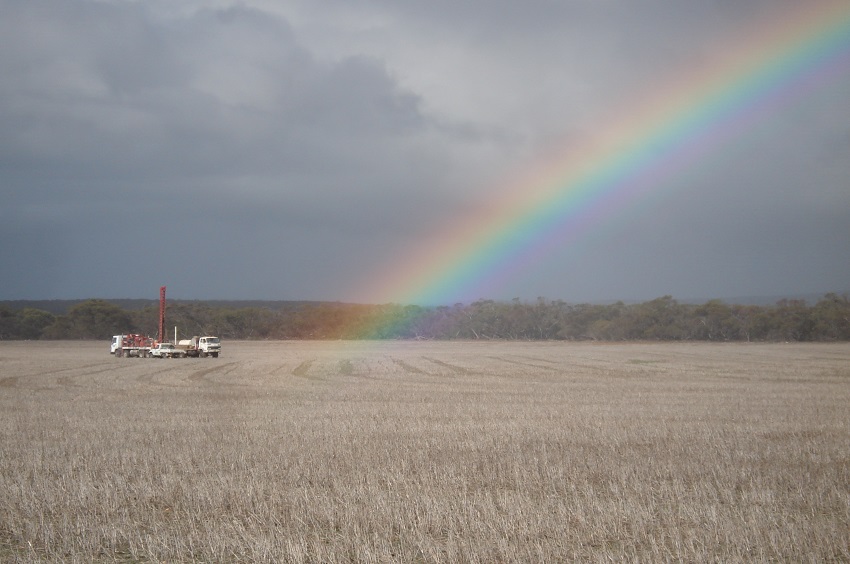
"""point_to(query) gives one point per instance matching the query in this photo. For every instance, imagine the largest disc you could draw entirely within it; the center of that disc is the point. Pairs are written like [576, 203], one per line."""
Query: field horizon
[423, 451]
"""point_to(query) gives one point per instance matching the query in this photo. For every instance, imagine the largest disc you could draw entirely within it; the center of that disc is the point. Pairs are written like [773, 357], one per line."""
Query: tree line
[663, 319]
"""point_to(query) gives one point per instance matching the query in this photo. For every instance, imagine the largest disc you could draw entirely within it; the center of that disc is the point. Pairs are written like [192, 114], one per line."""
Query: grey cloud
[226, 91]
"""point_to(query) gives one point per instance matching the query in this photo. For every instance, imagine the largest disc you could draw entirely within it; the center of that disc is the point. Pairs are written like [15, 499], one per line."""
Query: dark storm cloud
[111, 89]
[291, 150]
[120, 125]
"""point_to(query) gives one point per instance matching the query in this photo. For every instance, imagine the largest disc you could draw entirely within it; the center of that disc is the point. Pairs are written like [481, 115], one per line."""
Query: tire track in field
[303, 369]
[362, 370]
[277, 369]
[520, 363]
[409, 368]
[356, 369]
[537, 359]
[64, 377]
[346, 367]
[148, 377]
[70, 380]
[453, 368]
[200, 376]
[416, 377]
[9, 382]
[61, 370]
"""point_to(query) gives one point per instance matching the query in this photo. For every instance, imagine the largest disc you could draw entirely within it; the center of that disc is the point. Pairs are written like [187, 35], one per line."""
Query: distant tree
[32, 322]
[92, 319]
[831, 318]
[792, 321]
[715, 322]
[8, 324]
[541, 320]
[594, 321]
[659, 319]
[242, 323]
[746, 316]
[483, 319]
[146, 320]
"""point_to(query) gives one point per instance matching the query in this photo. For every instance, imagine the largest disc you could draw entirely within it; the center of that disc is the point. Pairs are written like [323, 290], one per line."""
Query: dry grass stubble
[455, 452]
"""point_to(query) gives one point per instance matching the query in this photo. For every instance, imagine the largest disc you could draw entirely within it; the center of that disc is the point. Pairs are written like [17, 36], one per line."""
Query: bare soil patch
[426, 451]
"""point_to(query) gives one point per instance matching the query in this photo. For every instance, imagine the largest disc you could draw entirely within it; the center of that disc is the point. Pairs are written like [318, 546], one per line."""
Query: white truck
[167, 350]
[131, 345]
[201, 346]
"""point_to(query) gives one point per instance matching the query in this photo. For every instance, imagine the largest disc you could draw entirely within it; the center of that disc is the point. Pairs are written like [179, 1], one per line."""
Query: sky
[311, 149]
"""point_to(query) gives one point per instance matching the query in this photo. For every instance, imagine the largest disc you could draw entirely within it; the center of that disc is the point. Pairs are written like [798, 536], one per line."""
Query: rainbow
[628, 159]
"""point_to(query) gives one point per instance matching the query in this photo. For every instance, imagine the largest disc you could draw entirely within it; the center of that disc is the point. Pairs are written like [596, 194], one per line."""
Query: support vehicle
[167, 350]
[201, 346]
[131, 345]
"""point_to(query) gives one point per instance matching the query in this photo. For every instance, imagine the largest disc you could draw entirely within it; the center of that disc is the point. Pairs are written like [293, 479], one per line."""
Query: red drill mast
[162, 314]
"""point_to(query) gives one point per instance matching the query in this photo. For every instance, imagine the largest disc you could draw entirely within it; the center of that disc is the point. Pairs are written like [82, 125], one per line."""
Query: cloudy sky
[305, 149]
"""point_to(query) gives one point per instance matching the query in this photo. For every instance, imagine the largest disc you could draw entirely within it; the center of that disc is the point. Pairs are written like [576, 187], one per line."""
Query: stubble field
[426, 452]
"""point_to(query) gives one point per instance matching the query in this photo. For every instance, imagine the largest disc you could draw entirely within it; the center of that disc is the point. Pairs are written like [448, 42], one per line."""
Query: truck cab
[210, 346]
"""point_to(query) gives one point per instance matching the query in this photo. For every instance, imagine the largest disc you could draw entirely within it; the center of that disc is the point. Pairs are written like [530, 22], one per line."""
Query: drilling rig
[141, 345]
[161, 335]
[134, 344]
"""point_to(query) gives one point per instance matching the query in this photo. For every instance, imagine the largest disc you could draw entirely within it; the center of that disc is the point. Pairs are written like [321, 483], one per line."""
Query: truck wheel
[215, 355]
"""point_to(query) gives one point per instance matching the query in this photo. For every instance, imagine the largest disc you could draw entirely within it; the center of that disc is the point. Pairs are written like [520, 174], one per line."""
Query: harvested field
[426, 452]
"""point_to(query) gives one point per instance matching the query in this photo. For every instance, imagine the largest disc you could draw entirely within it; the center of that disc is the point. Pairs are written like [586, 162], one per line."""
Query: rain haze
[302, 150]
